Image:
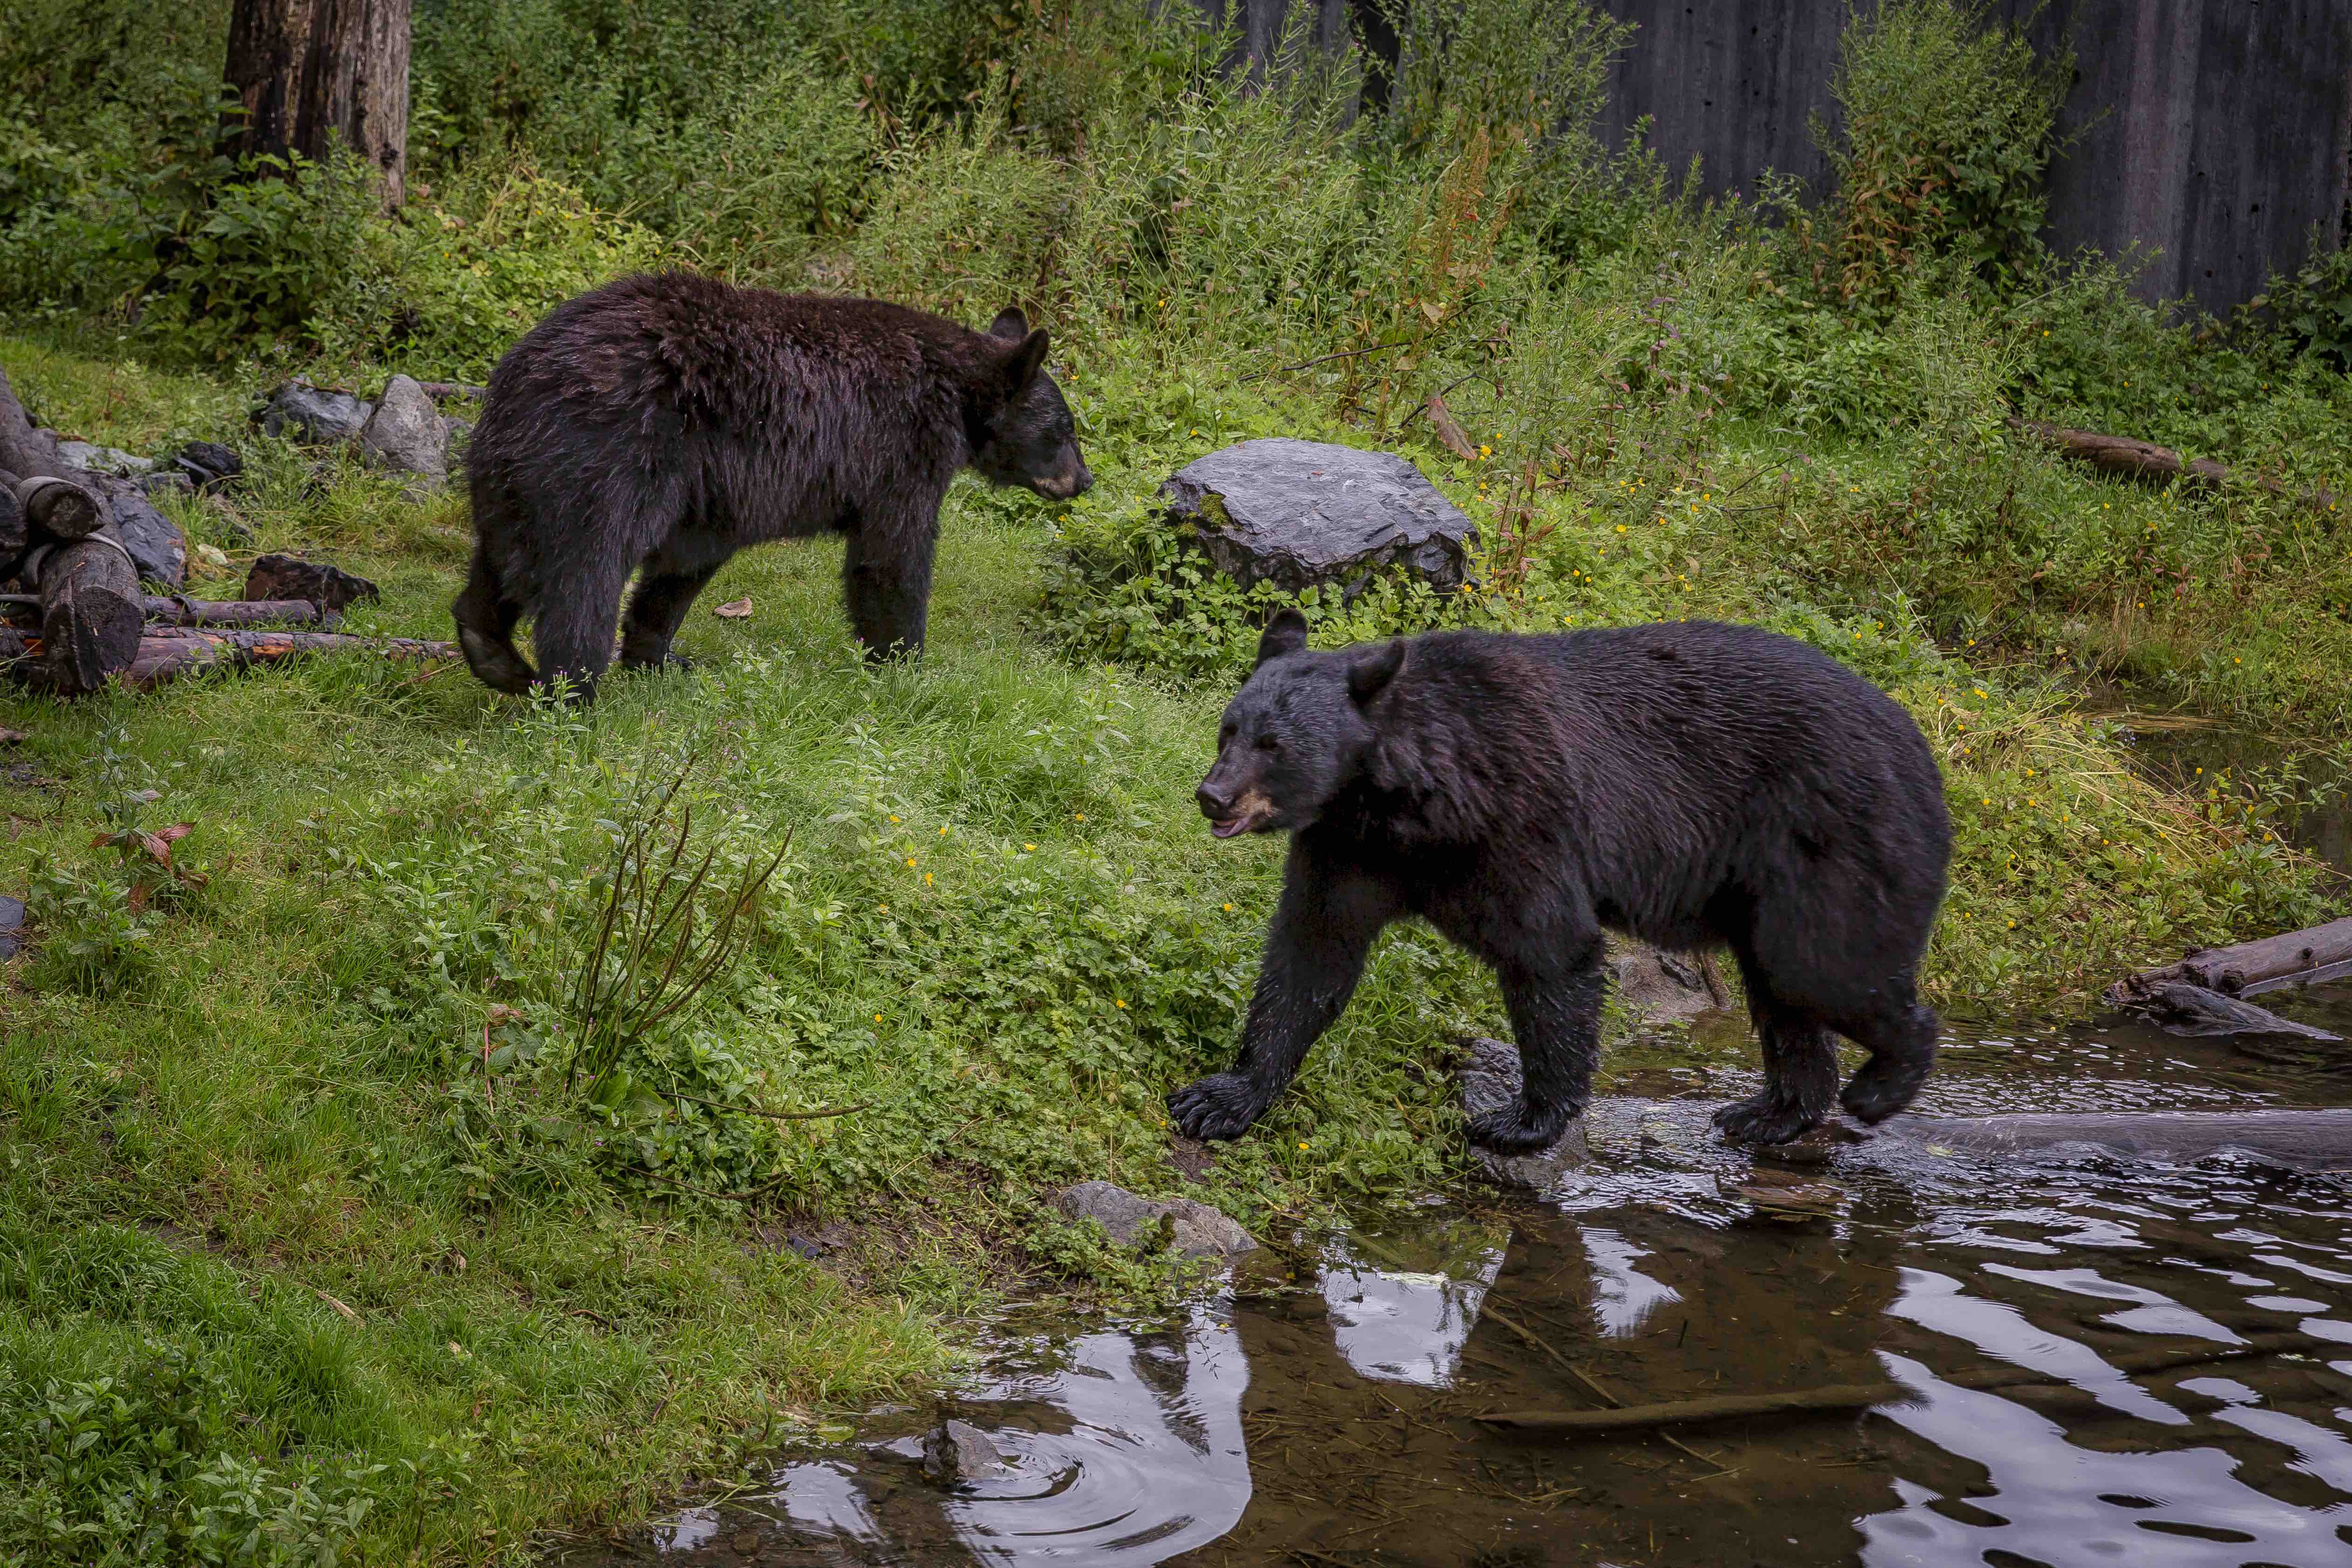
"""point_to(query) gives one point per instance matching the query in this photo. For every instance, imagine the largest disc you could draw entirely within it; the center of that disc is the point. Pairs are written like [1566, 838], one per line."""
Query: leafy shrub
[260, 260]
[1947, 121]
[448, 289]
[751, 181]
[2311, 308]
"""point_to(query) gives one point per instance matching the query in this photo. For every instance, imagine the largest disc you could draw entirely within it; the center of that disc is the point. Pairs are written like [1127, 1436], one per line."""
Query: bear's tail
[486, 622]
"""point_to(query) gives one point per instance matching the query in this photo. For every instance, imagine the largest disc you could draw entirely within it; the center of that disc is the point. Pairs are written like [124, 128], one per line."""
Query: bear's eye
[1268, 743]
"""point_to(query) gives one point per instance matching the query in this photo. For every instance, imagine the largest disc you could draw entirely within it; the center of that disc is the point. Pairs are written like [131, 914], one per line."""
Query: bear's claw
[1764, 1119]
[1222, 1106]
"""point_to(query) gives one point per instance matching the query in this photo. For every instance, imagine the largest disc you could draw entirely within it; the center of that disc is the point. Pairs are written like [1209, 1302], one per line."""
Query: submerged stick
[1830, 1398]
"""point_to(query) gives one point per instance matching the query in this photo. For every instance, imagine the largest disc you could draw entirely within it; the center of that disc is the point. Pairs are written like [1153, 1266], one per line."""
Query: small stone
[301, 411]
[96, 459]
[1491, 1083]
[733, 610]
[1300, 514]
[208, 465]
[957, 1453]
[331, 588]
[166, 482]
[1183, 1226]
[747, 1541]
[12, 923]
[406, 436]
[1659, 985]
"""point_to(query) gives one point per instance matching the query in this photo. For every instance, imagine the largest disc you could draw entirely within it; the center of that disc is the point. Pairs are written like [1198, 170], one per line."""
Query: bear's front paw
[1518, 1129]
[1764, 1119]
[1222, 1106]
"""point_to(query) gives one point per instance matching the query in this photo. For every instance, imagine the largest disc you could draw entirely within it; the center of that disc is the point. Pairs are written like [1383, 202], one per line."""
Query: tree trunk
[306, 69]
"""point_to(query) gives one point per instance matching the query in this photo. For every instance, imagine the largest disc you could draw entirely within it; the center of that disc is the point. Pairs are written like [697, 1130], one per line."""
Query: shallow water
[1321, 1412]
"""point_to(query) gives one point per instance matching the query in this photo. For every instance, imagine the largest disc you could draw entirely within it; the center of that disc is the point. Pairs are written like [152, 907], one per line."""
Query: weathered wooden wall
[2218, 131]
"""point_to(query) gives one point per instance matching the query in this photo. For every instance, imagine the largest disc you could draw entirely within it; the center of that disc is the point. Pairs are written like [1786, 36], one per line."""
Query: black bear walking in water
[662, 422]
[1691, 785]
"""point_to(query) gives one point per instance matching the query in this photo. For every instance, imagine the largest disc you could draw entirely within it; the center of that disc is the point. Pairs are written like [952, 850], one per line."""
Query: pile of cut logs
[85, 619]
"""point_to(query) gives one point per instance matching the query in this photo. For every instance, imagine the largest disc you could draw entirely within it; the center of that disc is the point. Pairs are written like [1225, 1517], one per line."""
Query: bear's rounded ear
[1028, 359]
[1009, 324]
[1368, 674]
[1286, 633]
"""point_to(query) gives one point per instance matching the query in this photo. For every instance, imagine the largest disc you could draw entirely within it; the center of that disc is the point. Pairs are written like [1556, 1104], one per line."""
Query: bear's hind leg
[574, 633]
[1799, 1071]
[666, 588]
[1901, 1041]
[486, 621]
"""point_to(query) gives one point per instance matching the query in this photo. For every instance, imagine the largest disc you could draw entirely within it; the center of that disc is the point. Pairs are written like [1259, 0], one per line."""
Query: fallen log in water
[1857, 1396]
[2298, 1140]
[2145, 461]
[165, 653]
[2246, 969]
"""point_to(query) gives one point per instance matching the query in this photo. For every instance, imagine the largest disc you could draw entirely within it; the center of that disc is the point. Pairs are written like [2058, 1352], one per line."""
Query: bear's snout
[1069, 482]
[1233, 810]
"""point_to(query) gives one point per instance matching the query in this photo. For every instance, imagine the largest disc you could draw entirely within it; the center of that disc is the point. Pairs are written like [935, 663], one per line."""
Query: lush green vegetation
[316, 1244]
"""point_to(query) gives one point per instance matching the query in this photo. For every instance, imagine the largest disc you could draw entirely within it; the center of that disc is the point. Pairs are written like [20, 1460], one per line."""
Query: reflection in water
[2056, 1501]
[1626, 1296]
[1397, 1326]
[1324, 1412]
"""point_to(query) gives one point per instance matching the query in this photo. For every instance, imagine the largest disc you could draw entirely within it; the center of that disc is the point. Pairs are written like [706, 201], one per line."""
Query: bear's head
[1028, 436]
[1297, 733]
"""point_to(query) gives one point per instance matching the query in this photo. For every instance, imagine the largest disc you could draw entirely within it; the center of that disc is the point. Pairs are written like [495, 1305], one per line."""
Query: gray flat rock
[1491, 1082]
[1660, 985]
[301, 411]
[1302, 513]
[407, 434]
[95, 459]
[1182, 1226]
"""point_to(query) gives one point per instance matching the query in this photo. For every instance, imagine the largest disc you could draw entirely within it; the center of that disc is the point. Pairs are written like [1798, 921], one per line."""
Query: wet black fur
[1691, 785]
[662, 422]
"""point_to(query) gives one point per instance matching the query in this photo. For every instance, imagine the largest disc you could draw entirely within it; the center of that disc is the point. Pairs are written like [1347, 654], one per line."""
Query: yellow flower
[1028, 848]
[1620, 528]
[1302, 1143]
[927, 879]
[1079, 816]
[1484, 450]
[1229, 909]
[1117, 1002]
[877, 1017]
[943, 833]
[893, 819]
[910, 862]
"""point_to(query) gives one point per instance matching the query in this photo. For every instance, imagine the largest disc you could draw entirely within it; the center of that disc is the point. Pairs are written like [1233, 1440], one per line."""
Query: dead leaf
[734, 610]
[13, 737]
[1441, 419]
[502, 1014]
[340, 1310]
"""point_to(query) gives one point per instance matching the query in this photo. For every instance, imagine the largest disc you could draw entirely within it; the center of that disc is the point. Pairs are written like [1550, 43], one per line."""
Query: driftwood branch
[1835, 1398]
[24, 610]
[2245, 969]
[165, 653]
[2149, 464]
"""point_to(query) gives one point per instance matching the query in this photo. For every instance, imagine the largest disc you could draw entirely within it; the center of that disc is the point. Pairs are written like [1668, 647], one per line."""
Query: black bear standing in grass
[662, 422]
[1691, 785]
